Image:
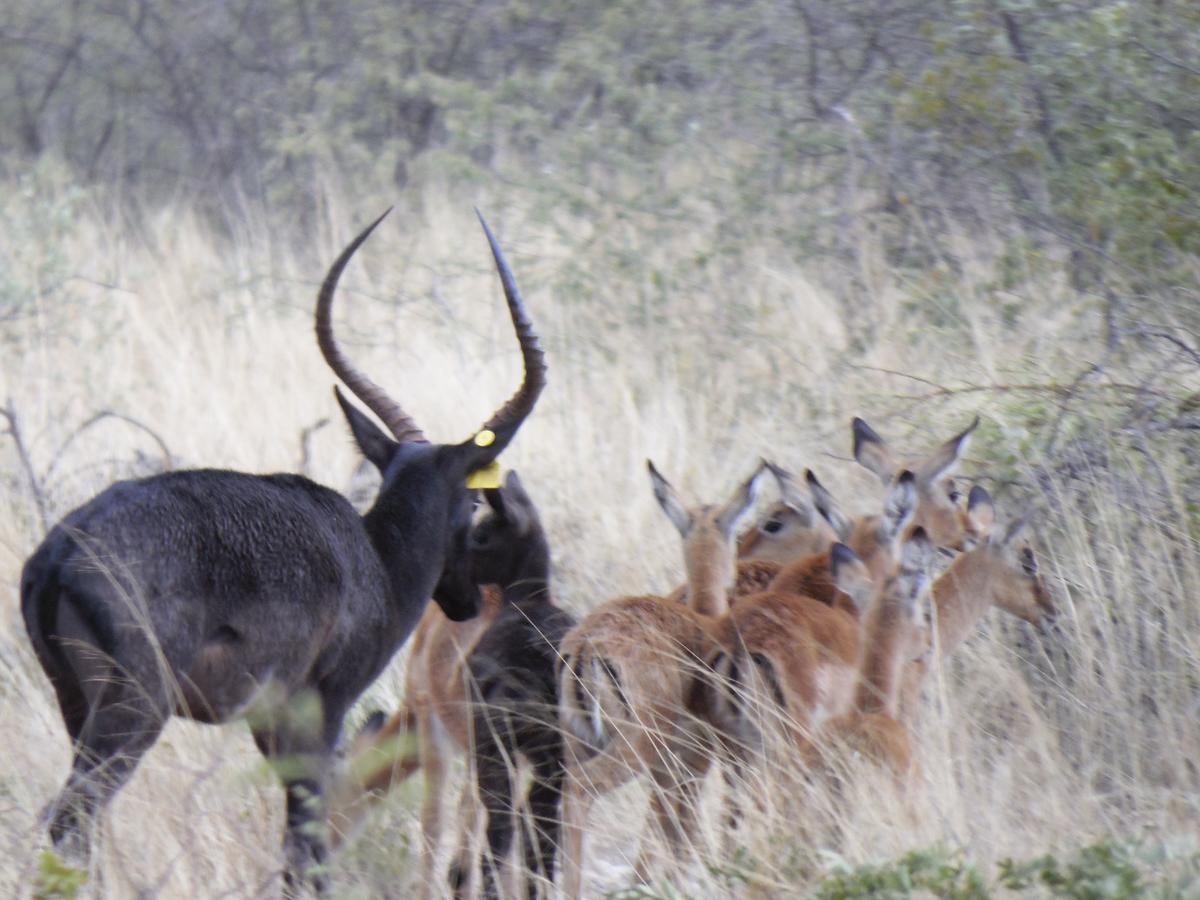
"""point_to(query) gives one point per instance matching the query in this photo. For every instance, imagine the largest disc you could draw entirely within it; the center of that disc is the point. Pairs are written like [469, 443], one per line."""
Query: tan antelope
[894, 634]
[999, 569]
[626, 676]
[792, 658]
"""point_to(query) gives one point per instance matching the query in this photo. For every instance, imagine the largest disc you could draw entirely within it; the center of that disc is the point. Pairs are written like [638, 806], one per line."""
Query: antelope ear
[850, 575]
[738, 506]
[981, 513]
[495, 499]
[518, 507]
[946, 457]
[376, 446]
[669, 501]
[1014, 530]
[900, 505]
[872, 451]
[828, 507]
[793, 498]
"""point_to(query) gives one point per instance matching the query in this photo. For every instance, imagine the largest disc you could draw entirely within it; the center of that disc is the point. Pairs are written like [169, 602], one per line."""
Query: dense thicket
[1073, 125]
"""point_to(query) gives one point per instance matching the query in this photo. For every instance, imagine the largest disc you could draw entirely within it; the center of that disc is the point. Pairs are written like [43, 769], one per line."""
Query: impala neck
[886, 645]
[961, 596]
[710, 573]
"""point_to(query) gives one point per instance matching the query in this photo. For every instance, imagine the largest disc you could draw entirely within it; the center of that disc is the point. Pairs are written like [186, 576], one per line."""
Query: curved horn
[509, 417]
[403, 428]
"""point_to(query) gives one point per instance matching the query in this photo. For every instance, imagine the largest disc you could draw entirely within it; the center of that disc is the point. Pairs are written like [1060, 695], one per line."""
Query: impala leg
[674, 803]
[433, 754]
[577, 802]
[462, 873]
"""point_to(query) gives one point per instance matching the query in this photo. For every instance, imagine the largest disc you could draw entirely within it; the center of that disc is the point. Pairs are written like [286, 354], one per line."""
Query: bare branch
[168, 458]
[9, 412]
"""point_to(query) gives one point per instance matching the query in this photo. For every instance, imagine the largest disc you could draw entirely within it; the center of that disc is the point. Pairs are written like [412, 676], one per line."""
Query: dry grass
[1027, 745]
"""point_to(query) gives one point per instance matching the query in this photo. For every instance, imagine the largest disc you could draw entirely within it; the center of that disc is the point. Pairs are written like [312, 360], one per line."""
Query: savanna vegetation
[737, 226]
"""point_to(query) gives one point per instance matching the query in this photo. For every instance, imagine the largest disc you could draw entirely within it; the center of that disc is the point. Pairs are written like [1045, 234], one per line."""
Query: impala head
[874, 539]
[937, 495]
[708, 533]
[508, 543]
[431, 477]
[790, 529]
[1017, 587]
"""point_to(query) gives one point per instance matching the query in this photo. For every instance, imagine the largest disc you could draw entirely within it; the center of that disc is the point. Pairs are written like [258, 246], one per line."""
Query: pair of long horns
[402, 426]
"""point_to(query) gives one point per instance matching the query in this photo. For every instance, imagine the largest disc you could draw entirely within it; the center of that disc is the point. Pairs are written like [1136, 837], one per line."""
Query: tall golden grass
[204, 340]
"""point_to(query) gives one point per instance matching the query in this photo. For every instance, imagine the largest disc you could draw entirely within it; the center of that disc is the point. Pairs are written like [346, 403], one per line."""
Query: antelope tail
[591, 697]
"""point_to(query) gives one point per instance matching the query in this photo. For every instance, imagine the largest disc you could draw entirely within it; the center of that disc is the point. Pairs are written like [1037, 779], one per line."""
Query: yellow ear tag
[487, 477]
[485, 438]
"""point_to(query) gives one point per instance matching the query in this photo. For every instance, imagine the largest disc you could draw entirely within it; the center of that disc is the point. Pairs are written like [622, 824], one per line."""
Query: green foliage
[1104, 871]
[934, 872]
[56, 880]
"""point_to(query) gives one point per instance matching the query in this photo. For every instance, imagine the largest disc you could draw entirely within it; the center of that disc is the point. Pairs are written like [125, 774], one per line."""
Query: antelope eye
[953, 493]
[772, 526]
[1028, 563]
[479, 538]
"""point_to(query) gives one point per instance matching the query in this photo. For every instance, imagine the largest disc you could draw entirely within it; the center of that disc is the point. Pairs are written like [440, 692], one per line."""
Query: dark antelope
[212, 594]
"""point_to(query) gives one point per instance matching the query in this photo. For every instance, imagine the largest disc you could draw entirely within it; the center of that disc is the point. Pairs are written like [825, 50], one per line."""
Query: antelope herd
[215, 595]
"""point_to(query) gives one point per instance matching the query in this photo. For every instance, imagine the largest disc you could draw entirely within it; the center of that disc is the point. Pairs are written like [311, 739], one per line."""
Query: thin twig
[99, 417]
[9, 412]
[306, 436]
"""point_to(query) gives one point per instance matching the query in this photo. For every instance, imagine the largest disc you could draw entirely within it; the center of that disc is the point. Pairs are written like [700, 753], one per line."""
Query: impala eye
[1028, 562]
[772, 526]
[479, 538]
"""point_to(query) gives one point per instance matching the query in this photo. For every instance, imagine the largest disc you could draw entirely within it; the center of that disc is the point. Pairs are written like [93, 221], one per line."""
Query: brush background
[736, 228]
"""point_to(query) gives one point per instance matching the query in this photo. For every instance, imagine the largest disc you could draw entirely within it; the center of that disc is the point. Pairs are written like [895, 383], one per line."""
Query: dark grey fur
[515, 686]
[212, 594]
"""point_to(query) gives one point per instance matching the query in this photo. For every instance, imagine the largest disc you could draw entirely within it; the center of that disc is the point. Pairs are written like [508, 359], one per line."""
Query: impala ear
[900, 505]
[946, 457]
[851, 576]
[1014, 531]
[828, 507]
[793, 498]
[376, 446]
[738, 506]
[981, 513]
[872, 451]
[669, 501]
